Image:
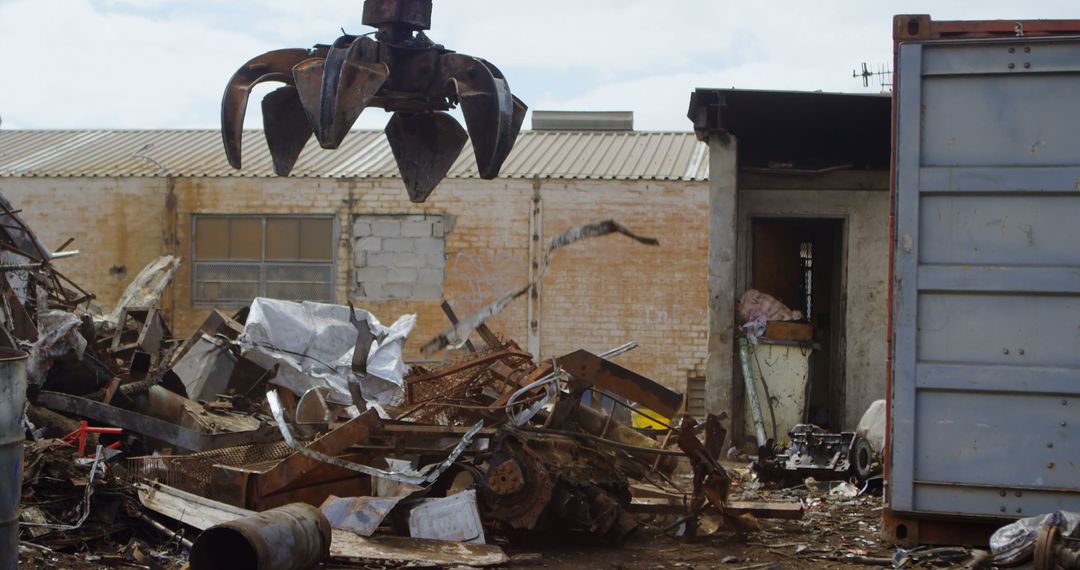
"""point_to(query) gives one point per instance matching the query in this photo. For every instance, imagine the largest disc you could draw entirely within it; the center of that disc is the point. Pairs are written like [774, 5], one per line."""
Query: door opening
[800, 262]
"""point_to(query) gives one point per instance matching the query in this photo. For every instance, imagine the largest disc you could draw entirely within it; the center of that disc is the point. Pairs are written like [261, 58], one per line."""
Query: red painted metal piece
[80, 436]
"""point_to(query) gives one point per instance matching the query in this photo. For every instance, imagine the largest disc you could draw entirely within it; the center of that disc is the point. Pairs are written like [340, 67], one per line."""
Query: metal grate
[194, 473]
[238, 258]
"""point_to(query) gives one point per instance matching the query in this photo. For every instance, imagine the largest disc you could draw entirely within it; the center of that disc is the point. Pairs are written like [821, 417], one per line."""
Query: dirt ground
[837, 531]
[832, 529]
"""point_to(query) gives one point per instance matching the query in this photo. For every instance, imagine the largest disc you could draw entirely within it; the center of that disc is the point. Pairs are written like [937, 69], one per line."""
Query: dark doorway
[800, 262]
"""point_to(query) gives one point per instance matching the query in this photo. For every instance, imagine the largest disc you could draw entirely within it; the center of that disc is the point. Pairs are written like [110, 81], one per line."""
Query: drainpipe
[170, 223]
[536, 251]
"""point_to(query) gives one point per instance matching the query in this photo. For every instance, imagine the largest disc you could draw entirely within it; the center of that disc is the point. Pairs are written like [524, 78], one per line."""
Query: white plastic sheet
[58, 333]
[313, 343]
[872, 425]
[1015, 542]
[147, 287]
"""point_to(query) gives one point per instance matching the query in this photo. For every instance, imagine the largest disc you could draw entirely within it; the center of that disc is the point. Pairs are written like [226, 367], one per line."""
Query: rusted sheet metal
[359, 515]
[151, 427]
[297, 465]
[911, 530]
[412, 478]
[327, 87]
[908, 27]
[293, 537]
[621, 381]
[413, 382]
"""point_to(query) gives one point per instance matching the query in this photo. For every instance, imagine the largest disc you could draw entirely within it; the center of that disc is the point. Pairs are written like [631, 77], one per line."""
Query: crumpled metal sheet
[358, 515]
[314, 344]
[456, 336]
[58, 333]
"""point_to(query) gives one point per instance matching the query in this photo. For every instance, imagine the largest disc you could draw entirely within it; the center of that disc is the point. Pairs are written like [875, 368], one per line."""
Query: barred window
[238, 258]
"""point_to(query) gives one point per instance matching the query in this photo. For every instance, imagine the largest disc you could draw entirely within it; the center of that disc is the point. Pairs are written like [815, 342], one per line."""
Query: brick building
[342, 228]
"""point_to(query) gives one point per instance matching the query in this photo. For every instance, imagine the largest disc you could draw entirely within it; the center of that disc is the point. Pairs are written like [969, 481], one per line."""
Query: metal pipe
[751, 391]
[293, 537]
[619, 350]
[12, 402]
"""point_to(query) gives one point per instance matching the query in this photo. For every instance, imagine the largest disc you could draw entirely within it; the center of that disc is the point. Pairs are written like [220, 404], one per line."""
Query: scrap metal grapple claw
[401, 71]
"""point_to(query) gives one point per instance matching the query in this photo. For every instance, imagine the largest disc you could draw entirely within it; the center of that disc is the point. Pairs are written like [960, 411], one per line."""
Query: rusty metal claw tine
[346, 86]
[286, 127]
[308, 76]
[359, 83]
[271, 66]
[488, 107]
[425, 146]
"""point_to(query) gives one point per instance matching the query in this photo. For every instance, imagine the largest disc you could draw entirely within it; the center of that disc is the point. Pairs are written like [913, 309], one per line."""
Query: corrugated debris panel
[595, 155]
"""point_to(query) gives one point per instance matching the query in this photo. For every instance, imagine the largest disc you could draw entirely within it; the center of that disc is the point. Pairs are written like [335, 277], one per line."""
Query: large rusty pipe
[293, 537]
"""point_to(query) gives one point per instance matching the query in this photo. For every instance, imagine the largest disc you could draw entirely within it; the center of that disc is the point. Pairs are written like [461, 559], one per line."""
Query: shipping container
[984, 395]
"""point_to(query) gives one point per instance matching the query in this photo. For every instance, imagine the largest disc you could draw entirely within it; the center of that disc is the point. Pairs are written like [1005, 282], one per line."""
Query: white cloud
[164, 63]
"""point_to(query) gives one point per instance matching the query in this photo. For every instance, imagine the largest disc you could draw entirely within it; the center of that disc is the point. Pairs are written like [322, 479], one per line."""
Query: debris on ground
[292, 434]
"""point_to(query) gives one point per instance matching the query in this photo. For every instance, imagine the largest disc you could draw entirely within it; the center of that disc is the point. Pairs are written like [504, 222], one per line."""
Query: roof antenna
[883, 75]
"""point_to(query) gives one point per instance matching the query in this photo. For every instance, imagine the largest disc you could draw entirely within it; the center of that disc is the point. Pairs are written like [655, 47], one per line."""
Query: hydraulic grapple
[400, 70]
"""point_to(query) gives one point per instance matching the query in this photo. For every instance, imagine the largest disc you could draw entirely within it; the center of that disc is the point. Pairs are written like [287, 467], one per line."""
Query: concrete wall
[596, 295]
[863, 203]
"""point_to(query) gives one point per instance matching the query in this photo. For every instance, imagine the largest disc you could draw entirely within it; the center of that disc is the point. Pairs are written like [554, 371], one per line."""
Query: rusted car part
[1055, 551]
[568, 413]
[424, 476]
[549, 481]
[293, 537]
[151, 427]
[813, 452]
[611, 377]
[400, 70]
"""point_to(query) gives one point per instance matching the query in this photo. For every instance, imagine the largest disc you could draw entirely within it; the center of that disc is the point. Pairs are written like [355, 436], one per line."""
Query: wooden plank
[766, 510]
[352, 548]
[760, 509]
[782, 330]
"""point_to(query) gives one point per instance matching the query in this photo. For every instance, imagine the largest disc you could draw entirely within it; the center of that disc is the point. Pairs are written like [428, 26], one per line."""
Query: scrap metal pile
[306, 417]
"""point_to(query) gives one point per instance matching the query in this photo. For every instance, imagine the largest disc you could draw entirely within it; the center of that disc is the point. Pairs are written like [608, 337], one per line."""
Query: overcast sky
[164, 63]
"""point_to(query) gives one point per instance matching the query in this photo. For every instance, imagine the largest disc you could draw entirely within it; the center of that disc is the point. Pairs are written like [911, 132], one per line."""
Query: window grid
[239, 280]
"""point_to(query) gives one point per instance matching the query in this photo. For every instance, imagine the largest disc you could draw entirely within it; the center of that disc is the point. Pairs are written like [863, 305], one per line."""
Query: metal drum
[12, 402]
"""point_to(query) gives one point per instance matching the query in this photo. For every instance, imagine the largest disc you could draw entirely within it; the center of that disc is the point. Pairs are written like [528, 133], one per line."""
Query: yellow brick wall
[597, 294]
[118, 226]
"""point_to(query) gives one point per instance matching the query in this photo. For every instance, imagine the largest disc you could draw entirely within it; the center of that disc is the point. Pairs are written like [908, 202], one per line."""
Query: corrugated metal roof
[364, 154]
